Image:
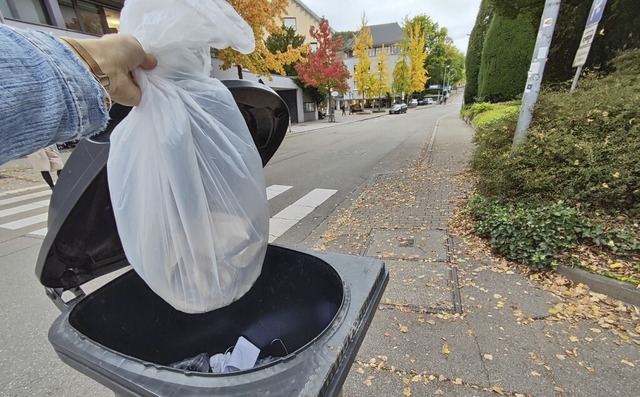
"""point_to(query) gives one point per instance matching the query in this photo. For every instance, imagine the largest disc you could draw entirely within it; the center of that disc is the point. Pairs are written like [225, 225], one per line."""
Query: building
[388, 35]
[79, 18]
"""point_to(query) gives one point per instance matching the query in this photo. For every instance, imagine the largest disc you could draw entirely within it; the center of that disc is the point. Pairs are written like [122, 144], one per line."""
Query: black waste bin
[308, 310]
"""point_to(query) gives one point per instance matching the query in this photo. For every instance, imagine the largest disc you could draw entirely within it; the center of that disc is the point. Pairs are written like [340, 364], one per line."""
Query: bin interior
[293, 301]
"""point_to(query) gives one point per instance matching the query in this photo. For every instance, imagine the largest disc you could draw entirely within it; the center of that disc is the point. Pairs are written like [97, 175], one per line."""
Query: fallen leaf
[367, 381]
[457, 381]
[445, 349]
[404, 329]
[360, 371]
[407, 391]
[561, 357]
[416, 378]
[497, 389]
[405, 381]
[439, 392]
[488, 357]
[629, 363]
[534, 373]
[574, 339]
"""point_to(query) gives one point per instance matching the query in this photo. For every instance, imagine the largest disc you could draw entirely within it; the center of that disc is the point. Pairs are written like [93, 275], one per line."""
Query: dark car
[356, 108]
[398, 108]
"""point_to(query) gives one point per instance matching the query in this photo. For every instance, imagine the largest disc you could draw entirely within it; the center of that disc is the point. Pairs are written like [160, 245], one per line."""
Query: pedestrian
[47, 161]
[344, 112]
[53, 90]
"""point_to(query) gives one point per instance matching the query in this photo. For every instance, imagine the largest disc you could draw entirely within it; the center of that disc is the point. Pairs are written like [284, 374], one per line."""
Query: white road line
[41, 232]
[24, 208]
[288, 217]
[19, 224]
[274, 190]
[25, 197]
[24, 189]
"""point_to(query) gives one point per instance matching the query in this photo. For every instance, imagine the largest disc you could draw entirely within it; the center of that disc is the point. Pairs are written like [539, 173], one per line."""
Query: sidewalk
[339, 119]
[454, 320]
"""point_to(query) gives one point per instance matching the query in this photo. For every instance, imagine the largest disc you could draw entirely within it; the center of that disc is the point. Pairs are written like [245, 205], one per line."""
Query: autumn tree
[323, 69]
[381, 78]
[362, 76]
[278, 43]
[417, 55]
[264, 17]
[401, 84]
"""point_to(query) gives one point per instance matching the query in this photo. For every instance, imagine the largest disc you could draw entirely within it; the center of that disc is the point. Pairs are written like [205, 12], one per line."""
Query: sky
[458, 16]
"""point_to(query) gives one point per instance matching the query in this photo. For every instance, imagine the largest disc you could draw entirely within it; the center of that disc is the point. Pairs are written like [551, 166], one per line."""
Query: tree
[322, 68]
[264, 17]
[474, 50]
[381, 81]
[401, 84]
[362, 76]
[279, 43]
[417, 57]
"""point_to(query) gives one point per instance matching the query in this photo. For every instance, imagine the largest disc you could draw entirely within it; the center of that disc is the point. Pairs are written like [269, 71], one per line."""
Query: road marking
[274, 190]
[20, 223]
[288, 217]
[23, 189]
[24, 208]
[25, 197]
[278, 224]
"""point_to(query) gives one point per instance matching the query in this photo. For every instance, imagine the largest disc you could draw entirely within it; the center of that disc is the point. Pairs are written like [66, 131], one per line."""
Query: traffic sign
[597, 8]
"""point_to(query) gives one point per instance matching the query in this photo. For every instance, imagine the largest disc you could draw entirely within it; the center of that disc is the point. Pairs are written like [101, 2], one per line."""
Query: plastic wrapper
[185, 178]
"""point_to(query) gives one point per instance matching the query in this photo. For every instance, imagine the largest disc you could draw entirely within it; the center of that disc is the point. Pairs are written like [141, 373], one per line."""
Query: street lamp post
[379, 85]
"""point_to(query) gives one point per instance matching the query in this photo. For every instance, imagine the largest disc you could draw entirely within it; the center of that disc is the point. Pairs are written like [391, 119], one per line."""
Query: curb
[604, 285]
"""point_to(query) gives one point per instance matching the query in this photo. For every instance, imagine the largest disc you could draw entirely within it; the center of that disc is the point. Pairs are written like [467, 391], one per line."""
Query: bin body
[309, 311]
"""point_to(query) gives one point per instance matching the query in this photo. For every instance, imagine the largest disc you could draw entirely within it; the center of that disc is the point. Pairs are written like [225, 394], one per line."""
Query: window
[309, 107]
[89, 17]
[24, 10]
[394, 50]
[290, 22]
[313, 47]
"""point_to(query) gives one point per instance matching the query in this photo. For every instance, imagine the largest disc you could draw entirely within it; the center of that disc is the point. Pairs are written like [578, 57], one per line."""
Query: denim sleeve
[47, 94]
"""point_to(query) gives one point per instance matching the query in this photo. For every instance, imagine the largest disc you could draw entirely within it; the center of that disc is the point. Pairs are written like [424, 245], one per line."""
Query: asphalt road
[325, 167]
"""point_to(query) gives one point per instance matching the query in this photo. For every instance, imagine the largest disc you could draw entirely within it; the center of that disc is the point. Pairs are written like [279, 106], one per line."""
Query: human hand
[116, 55]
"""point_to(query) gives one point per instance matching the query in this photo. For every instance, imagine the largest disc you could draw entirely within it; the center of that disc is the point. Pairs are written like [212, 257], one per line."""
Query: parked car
[356, 108]
[413, 103]
[398, 108]
[422, 101]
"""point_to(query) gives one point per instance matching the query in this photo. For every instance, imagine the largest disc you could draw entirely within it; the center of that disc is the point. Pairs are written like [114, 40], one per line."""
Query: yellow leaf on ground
[497, 389]
[629, 363]
[445, 349]
[405, 381]
[560, 357]
[416, 378]
[616, 265]
[574, 339]
[488, 357]
[457, 381]
[407, 391]
[404, 329]
[360, 371]
[534, 373]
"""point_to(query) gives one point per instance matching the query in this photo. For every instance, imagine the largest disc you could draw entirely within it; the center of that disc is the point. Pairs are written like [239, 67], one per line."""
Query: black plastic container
[308, 310]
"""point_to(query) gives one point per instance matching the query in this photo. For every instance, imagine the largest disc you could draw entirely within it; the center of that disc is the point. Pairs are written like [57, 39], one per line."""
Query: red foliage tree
[323, 68]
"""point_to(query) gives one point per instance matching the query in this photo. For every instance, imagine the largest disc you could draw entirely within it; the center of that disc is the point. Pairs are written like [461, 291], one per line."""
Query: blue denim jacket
[47, 94]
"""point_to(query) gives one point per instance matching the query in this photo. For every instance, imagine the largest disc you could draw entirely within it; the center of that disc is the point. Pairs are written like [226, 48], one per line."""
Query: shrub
[539, 236]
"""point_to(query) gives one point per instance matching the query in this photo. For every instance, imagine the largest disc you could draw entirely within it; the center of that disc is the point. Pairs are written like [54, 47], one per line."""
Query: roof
[307, 9]
[386, 34]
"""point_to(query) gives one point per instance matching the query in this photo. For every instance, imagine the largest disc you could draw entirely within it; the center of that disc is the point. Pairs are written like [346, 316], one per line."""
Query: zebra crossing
[24, 211]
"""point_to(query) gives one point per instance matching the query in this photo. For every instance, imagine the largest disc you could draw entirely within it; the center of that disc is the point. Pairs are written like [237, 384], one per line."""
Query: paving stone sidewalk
[456, 322]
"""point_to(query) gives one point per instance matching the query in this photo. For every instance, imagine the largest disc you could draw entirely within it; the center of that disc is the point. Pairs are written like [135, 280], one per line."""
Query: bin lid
[82, 240]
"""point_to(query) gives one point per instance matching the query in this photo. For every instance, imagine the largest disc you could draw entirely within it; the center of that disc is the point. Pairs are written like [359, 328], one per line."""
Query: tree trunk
[239, 71]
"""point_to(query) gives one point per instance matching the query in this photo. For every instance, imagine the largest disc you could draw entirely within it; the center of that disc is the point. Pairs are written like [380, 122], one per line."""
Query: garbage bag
[185, 178]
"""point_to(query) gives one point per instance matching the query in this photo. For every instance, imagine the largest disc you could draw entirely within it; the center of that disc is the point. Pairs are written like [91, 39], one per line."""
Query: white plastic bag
[185, 177]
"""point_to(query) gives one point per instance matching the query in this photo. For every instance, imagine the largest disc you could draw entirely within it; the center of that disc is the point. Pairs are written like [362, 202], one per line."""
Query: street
[326, 167]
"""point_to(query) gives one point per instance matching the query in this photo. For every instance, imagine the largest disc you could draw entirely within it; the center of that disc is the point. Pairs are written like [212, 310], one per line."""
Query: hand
[117, 55]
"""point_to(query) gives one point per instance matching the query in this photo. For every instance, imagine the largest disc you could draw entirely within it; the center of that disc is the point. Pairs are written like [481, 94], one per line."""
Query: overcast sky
[458, 16]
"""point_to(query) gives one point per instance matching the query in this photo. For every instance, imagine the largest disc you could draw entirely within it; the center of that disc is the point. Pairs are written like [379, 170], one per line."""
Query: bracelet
[88, 60]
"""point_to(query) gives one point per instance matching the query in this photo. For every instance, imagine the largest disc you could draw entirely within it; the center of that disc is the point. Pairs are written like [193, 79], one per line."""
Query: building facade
[82, 18]
[388, 35]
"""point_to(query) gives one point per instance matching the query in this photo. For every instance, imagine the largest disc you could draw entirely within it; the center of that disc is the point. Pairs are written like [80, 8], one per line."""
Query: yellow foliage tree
[362, 75]
[381, 78]
[417, 57]
[265, 18]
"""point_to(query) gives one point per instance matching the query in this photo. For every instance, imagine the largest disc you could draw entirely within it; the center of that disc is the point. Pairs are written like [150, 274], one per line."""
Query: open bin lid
[82, 240]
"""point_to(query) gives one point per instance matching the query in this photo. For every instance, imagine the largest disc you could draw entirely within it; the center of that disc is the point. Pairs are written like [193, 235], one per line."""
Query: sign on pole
[590, 31]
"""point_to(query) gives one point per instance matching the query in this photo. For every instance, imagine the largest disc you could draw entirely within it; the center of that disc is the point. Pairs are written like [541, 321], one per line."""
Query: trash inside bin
[308, 312]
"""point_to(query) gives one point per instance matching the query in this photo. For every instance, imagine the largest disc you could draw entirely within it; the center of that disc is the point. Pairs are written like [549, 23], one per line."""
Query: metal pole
[536, 70]
[575, 79]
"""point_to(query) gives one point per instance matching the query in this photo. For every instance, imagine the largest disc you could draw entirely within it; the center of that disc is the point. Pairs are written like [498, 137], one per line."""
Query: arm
[48, 94]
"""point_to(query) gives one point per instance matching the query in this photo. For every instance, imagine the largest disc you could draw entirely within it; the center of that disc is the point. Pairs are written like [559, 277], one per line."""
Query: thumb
[148, 62]
[127, 92]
